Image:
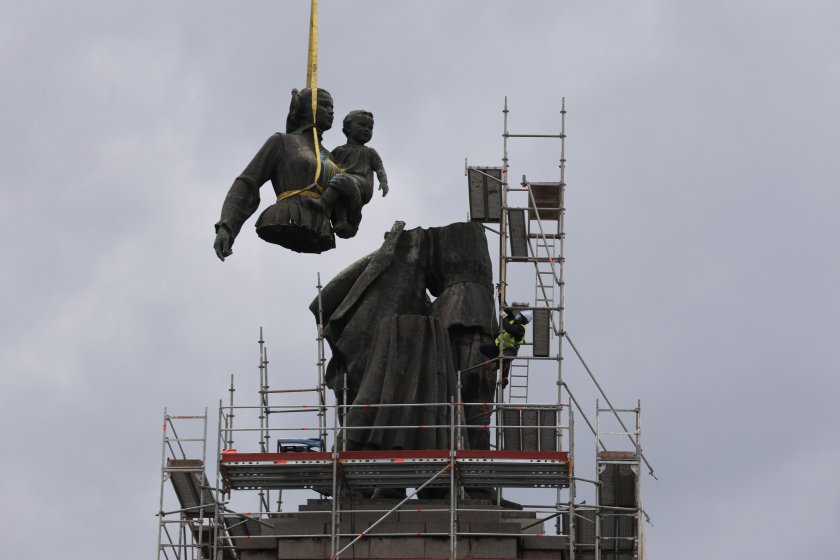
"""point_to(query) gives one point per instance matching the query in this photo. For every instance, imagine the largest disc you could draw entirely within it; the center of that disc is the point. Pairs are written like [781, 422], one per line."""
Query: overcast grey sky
[702, 268]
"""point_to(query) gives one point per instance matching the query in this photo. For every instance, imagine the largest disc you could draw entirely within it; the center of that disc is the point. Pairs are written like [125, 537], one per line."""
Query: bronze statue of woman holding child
[313, 204]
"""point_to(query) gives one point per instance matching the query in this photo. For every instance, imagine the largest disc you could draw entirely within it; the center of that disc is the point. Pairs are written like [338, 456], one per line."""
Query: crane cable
[312, 82]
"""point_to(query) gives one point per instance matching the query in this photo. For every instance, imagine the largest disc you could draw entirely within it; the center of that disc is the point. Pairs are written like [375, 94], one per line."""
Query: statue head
[358, 126]
[300, 110]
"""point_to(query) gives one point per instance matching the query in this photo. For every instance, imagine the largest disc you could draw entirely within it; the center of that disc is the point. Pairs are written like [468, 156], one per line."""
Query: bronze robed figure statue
[289, 161]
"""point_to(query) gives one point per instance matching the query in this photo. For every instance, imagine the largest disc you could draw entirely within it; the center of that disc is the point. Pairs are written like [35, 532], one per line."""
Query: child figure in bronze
[343, 200]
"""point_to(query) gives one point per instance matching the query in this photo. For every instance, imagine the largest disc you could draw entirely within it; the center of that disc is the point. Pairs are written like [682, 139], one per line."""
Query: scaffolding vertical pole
[561, 257]
[502, 288]
[453, 539]
[217, 512]
[322, 396]
[462, 415]
[204, 439]
[229, 423]
[201, 536]
[267, 432]
[335, 491]
[503, 217]
[162, 483]
[561, 281]
[263, 495]
[344, 413]
[598, 509]
[182, 540]
[639, 523]
[572, 485]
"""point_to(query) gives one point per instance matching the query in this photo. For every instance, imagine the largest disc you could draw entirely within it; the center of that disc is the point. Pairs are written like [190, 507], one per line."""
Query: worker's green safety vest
[505, 340]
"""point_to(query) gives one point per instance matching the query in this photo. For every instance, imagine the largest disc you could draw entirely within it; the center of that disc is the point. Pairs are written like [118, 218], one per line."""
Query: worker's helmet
[522, 316]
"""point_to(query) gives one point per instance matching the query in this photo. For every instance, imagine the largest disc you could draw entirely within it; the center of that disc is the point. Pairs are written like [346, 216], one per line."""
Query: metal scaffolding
[187, 531]
[533, 444]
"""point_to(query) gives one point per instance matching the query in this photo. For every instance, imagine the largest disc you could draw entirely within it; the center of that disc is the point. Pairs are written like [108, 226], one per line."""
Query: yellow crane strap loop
[305, 191]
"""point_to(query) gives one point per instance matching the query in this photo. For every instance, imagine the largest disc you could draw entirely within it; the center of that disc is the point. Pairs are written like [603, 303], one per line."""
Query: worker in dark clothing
[509, 340]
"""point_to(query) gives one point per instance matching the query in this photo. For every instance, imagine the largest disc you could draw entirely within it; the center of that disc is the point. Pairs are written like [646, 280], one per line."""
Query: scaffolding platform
[395, 469]
[192, 487]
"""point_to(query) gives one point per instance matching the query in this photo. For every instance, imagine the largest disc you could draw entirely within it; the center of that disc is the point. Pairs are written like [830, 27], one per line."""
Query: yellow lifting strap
[314, 190]
[306, 191]
[312, 84]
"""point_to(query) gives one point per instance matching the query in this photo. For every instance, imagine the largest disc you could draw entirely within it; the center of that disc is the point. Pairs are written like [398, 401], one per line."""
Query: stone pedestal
[420, 529]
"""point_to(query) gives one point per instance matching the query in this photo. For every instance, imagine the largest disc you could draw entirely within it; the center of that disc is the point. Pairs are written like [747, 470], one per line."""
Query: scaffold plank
[404, 468]
[191, 487]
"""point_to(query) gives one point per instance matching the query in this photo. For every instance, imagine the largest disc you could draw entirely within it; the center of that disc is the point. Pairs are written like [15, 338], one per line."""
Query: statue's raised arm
[289, 162]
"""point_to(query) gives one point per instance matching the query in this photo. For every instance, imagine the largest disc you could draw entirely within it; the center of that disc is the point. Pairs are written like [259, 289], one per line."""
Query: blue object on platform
[299, 445]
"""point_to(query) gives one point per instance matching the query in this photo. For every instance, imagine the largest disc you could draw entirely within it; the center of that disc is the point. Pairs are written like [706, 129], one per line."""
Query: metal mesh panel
[511, 432]
[478, 201]
[518, 239]
[618, 533]
[618, 486]
[548, 434]
[542, 336]
[547, 197]
[494, 193]
[530, 417]
[485, 187]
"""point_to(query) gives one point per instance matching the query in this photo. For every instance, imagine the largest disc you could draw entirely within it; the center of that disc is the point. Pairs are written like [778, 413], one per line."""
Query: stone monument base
[419, 529]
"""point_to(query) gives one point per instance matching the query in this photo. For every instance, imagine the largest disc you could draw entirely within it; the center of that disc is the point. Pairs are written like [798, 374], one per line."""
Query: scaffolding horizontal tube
[208, 507]
[534, 259]
[301, 407]
[534, 359]
[557, 406]
[590, 481]
[384, 534]
[266, 391]
[399, 534]
[395, 427]
[509, 135]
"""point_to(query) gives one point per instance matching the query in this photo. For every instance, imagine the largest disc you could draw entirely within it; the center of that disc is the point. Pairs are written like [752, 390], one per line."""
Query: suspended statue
[343, 200]
[302, 171]
[289, 161]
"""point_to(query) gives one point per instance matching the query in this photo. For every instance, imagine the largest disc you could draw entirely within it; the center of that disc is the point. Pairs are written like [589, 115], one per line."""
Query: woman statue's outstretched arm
[243, 198]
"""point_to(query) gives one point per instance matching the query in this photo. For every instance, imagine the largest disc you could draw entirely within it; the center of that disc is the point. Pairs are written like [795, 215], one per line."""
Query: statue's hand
[384, 188]
[223, 243]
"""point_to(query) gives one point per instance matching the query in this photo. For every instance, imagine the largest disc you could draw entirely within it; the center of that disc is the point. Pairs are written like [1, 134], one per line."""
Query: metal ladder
[545, 278]
[544, 252]
[518, 382]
